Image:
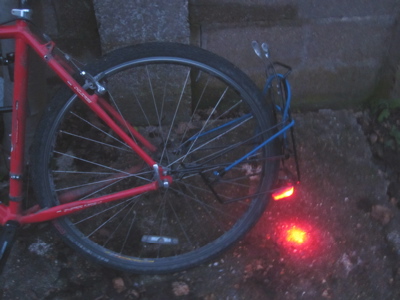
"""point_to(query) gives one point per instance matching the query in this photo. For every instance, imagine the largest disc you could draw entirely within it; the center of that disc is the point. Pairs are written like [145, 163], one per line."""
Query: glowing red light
[296, 235]
[283, 193]
[299, 239]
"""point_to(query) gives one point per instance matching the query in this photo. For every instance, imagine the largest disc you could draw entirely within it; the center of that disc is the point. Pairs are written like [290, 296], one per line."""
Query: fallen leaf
[210, 297]
[373, 138]
[180, 288]
[381, 213]
[326, 294]
[119, 284]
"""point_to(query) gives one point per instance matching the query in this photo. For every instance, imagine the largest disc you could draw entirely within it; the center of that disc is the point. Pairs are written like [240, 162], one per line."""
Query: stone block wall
[338, 49]
[122, 23]
[342, 52]
[72, 24]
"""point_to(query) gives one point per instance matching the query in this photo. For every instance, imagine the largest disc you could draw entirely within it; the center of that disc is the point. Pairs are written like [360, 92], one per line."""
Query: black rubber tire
[248, 208]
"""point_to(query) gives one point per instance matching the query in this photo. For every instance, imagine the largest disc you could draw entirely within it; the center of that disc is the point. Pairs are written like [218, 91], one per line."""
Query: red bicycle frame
[24, 39]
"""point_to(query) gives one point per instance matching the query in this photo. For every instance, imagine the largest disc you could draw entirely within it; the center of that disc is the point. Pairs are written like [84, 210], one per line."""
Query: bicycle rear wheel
[204, 117]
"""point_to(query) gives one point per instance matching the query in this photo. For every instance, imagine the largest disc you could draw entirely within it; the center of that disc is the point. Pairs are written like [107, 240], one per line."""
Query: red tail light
[283, 192]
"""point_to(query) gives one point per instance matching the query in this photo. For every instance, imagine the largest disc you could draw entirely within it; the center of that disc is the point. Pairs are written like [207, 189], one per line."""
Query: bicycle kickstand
[7, 237]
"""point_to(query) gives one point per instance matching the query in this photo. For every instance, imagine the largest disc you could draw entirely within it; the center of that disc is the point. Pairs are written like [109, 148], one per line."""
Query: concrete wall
[338, 49]
[72, 24]
[129, 22]
[342, 51]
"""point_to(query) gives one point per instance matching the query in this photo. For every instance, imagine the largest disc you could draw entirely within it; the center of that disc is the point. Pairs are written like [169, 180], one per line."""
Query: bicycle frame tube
[24, 39]
[18, 118]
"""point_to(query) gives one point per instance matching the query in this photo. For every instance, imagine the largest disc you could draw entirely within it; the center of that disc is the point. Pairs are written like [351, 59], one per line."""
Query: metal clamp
[15, 176]
[93, 83]
[22, 13]
[161, 183]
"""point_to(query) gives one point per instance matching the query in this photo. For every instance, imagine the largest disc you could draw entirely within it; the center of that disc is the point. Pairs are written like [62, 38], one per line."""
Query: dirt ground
[351, 246]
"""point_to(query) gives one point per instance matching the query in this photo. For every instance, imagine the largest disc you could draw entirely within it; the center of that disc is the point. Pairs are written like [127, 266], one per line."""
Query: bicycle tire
[210, 116]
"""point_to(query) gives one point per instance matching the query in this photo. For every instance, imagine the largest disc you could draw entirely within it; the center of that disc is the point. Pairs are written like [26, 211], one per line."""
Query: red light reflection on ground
[296, 235]
[297, 238]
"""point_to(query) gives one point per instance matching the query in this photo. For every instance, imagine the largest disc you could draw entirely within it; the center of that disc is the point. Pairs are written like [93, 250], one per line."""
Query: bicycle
[153, 159]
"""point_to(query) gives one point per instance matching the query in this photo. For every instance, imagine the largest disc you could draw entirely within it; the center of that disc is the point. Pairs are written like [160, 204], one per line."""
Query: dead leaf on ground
[119, 284]
[382, 214]
[180, 288]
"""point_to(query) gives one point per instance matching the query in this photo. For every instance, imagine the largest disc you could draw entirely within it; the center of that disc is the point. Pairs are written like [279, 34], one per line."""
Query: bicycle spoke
[114, 205]
[205, 124]
[91, 162]
[190, 151]
[175, 113]
[198, 101]
[128, 234]
[207, 209]
[108, 220]
[63, 172]
[98, 129]
[125, 123]
[181, 226]
[193, 212]
[94, 141]
[219, 210]
[153, 96]
[116, 229]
